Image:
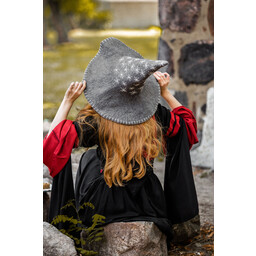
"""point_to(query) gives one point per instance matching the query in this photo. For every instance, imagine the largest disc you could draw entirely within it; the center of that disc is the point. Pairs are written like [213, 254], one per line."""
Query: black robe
[140, 199]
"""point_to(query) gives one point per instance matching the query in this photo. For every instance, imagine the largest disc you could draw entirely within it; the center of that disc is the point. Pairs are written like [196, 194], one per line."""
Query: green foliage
[86, 7]
[86, 204]
[65, 218]
[86, 13]
[94, 233]
[70, 203]
[79, 13]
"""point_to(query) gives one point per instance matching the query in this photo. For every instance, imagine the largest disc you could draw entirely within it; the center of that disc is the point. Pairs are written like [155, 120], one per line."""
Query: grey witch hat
[119, 83]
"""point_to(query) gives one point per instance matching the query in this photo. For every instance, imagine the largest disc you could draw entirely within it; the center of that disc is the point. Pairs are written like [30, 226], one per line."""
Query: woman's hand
[74, 91]
[163, 80]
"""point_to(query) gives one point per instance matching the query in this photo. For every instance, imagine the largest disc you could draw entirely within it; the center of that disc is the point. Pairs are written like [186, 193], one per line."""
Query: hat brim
[134, 109]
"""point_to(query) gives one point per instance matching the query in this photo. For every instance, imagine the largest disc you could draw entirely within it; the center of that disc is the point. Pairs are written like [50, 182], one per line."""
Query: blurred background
[73, 31]
[179, 31]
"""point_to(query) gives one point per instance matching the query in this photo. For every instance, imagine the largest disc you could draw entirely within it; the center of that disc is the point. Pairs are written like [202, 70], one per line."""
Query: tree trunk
[71, 21]
[45, 42]
[57, 21]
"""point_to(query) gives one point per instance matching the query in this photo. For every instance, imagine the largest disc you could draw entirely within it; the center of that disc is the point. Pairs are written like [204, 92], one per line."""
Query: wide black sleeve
[87, 133]
[169, 122]
[62, 199]
[179, 186]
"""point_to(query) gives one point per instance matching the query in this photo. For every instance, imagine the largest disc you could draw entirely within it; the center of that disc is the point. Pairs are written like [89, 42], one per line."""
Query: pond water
[66, 63]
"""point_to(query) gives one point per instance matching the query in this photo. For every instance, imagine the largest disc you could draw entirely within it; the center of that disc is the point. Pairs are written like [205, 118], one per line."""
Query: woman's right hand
[74, 90]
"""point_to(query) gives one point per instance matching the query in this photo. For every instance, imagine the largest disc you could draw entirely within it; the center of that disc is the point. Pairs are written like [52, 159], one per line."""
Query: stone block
[196, 63]
[203, 108]
[179, 15]
[165, 53]
[182, 97]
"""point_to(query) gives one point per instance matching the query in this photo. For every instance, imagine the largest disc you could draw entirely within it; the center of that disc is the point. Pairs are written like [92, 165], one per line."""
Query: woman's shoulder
[87, 130]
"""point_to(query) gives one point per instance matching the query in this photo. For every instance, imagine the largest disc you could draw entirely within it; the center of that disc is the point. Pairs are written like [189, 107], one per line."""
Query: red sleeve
[57, 146]
[169, 122]
[190, 121]
[174, 125]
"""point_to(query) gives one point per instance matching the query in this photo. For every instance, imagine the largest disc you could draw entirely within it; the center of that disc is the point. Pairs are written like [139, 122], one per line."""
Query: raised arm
[62, 136]
[163, 80]
[72, 93]
[170, 119]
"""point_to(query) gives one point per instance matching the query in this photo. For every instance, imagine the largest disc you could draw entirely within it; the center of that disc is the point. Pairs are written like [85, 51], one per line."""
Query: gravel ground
[204, 181]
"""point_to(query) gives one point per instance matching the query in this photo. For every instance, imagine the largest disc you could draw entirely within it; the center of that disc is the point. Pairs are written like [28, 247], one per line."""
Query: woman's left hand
[74, 91]
[163, 80]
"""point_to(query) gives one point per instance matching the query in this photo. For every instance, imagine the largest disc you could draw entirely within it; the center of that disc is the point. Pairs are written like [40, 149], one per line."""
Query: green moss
[66, 63]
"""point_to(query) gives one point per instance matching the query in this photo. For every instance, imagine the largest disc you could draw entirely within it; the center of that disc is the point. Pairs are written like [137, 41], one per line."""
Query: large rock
[46, 173]
[132, 239]
[184, 231]
[46, 127]
[56, 243]
[47, 180]
[179, 15]
[203, 156]
[196, 63]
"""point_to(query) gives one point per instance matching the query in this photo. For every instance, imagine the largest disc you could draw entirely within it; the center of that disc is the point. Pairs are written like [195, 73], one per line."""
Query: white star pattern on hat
[133, 92]
[123, 90]
[132, 72]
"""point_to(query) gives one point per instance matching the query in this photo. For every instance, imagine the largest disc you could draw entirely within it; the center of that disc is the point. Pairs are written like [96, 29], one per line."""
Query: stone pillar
[187, 43]
[202, 156]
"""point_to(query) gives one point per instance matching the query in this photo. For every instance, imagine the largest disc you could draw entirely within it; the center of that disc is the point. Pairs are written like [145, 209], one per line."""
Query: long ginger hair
[124, 145]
